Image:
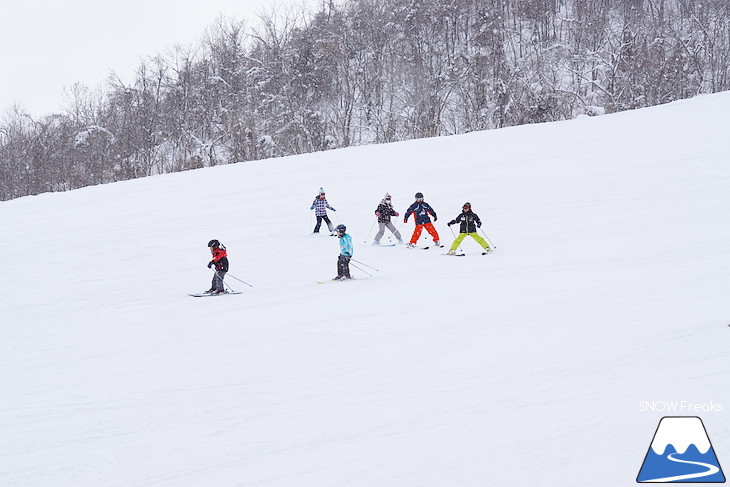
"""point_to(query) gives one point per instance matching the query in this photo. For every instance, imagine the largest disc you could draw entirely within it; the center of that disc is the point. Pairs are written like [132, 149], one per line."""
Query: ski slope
[526, 367]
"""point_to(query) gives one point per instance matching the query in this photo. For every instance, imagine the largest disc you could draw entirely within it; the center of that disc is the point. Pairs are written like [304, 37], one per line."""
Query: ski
[455, 255]
[384, 245]
[204, 295]
[426, 247]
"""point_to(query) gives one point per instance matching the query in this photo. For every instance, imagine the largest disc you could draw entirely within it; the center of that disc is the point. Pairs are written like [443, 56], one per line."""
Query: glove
[479, 224]
[377, 213]
[405, 220]
[333, 209]
[395, 213]
[449, 224]
[435, 218]
[210, 264]
[311, 207]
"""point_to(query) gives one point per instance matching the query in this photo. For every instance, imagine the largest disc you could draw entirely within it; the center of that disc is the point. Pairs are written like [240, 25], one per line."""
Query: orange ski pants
[429, 228]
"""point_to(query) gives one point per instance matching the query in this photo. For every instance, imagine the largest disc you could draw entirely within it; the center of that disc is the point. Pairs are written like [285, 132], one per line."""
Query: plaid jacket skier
[320, 206]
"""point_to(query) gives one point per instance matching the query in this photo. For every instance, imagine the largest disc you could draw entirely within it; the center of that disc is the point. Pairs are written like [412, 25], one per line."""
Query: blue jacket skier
[421, 211]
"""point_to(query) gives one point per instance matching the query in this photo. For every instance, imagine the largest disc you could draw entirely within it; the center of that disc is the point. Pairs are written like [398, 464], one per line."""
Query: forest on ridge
[368, 71]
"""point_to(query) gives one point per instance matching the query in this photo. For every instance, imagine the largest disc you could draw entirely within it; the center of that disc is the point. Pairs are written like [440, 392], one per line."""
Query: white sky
[47, 45]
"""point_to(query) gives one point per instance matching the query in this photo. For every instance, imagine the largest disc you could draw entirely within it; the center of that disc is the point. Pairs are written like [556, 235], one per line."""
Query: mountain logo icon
[681, 452]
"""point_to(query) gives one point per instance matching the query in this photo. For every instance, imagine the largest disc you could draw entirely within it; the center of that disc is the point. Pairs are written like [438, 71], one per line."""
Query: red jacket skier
[220, 262]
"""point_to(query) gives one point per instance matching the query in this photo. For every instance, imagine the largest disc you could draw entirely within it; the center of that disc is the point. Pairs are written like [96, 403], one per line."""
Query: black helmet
[467, 205]
[419, 195]
[341, 229]
[214, 243]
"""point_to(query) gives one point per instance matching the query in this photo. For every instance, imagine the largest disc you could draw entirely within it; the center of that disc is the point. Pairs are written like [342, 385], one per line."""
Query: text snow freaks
[680, 407]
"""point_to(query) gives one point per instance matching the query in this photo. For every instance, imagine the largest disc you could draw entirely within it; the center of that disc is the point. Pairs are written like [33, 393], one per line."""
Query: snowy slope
[525, 367]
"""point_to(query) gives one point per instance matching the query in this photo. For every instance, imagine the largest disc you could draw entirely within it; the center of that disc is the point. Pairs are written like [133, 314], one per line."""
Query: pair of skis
[205, 295]
[463, 254]
[332, 281]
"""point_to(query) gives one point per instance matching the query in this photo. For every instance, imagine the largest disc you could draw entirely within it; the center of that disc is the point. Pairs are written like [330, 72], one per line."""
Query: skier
[320, 206]
[469, 223]
[220, 262]
[421, 210]
[343, 260]
[384, 211]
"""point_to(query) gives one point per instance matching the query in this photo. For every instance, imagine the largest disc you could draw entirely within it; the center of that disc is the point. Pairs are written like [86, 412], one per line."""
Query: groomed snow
[526, 367]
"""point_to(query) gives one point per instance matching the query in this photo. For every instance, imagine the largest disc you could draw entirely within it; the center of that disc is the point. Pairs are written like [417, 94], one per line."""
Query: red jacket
[220, 259]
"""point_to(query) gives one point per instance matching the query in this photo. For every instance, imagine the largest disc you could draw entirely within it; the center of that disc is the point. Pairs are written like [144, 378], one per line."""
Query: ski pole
[362, 270]
[491, 244]
[249, 285]
[370, 231]
[363, 263]
[452, 233]
[226, 285]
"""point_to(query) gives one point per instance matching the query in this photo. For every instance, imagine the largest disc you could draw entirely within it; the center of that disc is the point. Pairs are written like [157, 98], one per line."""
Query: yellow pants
[475, 236]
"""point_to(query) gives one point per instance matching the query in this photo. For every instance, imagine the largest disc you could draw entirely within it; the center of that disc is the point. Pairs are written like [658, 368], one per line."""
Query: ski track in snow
[526, 368]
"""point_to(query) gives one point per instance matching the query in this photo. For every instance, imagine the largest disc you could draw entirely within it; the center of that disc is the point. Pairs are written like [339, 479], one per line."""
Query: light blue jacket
[346, 245]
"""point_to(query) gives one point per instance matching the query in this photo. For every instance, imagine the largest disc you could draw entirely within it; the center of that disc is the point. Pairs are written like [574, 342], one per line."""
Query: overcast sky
[47, 45]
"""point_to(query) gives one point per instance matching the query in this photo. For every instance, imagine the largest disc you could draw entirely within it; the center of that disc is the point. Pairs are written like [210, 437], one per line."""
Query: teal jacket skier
[346, 251]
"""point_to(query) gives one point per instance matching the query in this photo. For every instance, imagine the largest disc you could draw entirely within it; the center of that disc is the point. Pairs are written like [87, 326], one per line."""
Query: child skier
[320, 206]
[421, 210]
[469, 224]
[384, 211]
[343, 260]
[220, 261]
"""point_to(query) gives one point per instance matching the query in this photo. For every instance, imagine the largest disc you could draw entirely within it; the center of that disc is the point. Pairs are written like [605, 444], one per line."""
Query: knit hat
[387, 196]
